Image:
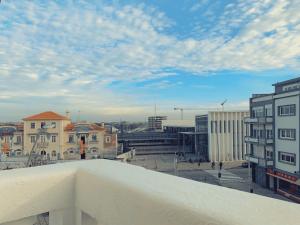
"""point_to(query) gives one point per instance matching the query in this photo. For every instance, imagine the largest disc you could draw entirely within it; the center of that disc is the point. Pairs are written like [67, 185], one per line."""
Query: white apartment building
[274, 137]
[224, 136]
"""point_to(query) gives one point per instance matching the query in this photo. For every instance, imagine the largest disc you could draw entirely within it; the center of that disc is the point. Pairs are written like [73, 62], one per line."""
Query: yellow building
[56, 137]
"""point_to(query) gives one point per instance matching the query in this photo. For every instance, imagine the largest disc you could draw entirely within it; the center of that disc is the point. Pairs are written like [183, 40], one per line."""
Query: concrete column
[56, 217]
[78, 217]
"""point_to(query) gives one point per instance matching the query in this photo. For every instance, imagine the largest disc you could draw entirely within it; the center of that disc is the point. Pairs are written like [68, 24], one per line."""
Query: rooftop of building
[290, 81]
[49, 115]
[78, 127]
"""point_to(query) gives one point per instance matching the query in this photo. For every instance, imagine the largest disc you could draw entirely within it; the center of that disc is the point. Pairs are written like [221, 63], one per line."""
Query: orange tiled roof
[46, 116]
[69, 127]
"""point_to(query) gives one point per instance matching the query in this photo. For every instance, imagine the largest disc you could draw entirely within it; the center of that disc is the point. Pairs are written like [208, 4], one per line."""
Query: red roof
[46, 116]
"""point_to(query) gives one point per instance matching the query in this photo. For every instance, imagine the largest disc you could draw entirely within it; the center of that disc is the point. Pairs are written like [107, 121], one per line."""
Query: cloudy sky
[115, 60]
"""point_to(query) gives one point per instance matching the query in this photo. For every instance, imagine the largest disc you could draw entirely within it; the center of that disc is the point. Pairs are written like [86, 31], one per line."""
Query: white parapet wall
[103, 192]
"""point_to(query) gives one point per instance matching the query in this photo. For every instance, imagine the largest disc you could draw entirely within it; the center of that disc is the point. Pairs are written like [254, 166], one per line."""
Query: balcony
[259, 120]
[260, 161]
[261, 141]
[101, 192]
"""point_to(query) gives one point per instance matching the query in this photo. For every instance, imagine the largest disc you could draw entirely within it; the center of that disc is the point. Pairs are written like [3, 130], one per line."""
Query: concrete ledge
[116, 193]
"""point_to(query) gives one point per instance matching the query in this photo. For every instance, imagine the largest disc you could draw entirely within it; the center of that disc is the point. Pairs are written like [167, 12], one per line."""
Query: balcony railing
[262, 141]
[259, 120]
[99, 192]
[260, 161]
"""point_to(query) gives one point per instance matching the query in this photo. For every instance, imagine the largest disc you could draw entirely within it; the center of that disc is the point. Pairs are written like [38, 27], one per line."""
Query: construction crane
[183, 109]
[222, 104]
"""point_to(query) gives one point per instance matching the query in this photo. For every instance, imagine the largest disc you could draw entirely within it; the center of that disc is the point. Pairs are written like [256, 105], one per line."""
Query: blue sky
[115, 60]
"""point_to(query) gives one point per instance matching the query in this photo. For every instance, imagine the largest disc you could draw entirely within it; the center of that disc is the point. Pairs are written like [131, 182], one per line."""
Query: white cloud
[46, 47]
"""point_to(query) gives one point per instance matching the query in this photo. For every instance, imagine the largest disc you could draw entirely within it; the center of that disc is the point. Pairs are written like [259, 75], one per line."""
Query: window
[94, 137]
[286, 158]
[211, 126]
[269, 154]
[19, 139]
[53, 125]
[53, 153]
[220, 126]
[228, 126]
[224, 126]
[107, 139]
[71, 138]
[269, 134]
[287, 110]
[53, 138]
[32, 139]
[43, 138]
[288, 134]
[43, 124]
[32, 125]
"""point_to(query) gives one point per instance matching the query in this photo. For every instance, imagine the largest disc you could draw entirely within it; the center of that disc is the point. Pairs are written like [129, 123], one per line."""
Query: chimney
[68, 114]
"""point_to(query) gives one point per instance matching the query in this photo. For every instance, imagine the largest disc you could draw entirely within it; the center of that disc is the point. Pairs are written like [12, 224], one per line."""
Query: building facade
[11, 139]
[259, 137]
[220, 135]
[56, 137]
[274, 127]
[155, 122]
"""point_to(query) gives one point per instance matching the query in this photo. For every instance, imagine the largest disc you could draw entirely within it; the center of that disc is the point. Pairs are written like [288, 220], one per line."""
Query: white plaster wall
[115, 193]
[289, 122]
[26, 221]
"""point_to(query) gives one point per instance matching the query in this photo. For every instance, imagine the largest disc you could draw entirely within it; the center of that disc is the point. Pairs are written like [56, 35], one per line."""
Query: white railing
[102, 192]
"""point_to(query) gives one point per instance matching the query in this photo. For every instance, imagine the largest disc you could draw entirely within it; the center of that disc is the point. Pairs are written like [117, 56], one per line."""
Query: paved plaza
[232, 174]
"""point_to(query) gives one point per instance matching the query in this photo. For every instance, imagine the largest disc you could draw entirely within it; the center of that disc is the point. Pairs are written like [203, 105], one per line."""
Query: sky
[115, 60]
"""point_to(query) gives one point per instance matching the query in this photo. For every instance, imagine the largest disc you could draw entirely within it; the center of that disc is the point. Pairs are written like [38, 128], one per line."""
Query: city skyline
[115, 60]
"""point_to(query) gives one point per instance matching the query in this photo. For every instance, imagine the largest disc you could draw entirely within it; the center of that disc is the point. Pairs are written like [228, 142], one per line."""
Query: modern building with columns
[220, 135]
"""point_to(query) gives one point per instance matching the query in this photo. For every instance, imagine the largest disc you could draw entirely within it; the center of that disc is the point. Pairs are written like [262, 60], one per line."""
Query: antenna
[222, 104]
[155, 110]
[78, 118]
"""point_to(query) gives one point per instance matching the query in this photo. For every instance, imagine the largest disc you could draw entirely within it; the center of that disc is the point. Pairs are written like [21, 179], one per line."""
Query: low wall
[104, 192]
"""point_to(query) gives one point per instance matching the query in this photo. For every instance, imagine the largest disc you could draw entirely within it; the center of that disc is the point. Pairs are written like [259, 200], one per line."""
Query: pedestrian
[82, 150]
[220, 165]
[213, 165]
[199, 162]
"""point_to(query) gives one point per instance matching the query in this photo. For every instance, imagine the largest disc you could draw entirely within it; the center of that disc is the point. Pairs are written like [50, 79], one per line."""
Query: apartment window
[269, 154]
[94, 137]
[220, 126]
[288, 158]
[287, 110]
[228, 126]
[211, 126]
[107, 139]
[53, 125]
[53, 153]
[224, 126]
[288, 134]
[269, 134]
[32, 139]
[43, 138]
[71, 138]
[268, 111]
[19, 139]
[53, 138]
[32, 125]
[43, 124]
